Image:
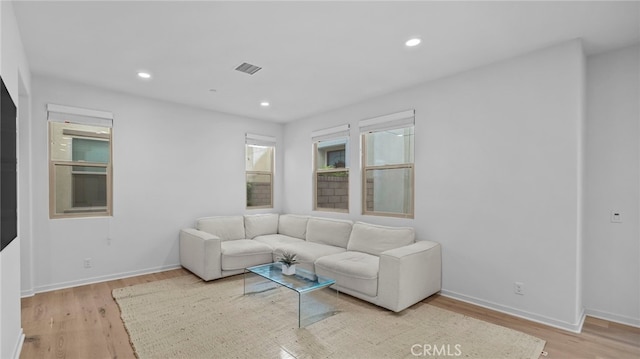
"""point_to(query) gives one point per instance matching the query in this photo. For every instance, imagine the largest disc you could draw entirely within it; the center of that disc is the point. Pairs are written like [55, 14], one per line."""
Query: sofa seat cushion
[277, 240]
[243, 253]
[353, 270]
[307, 252]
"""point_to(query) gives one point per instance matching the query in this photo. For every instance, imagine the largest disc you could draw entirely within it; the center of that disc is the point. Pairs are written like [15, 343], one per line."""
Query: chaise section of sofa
[383, 265]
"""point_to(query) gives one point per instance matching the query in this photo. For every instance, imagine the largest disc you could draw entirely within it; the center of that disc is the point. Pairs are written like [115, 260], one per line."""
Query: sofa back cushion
[226, 227]
[374, 239]
[293, 226]
[333, 232]
[260, 224]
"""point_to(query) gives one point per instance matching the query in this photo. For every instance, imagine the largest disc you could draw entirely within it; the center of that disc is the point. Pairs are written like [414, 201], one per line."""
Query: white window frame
[328, 134]
[252, 140]
[393, 121]
[86, 117]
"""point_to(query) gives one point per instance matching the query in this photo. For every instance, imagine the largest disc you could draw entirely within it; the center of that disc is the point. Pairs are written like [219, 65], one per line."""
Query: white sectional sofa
[383, 265]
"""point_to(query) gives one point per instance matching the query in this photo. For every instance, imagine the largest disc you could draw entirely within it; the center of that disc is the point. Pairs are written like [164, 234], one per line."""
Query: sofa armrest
[409, 274]
[200, 253]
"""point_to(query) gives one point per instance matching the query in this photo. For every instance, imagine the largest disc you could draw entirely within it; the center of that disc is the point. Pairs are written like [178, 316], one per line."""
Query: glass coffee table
[313, 303]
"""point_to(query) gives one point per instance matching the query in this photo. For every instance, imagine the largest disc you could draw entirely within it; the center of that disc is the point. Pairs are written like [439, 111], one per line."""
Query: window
[259, 163]
[336, 158]
[331, 169]
[79, 162]
[388, 159]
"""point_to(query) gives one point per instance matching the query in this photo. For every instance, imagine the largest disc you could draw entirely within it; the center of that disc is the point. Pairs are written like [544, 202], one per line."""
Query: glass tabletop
[302, 281]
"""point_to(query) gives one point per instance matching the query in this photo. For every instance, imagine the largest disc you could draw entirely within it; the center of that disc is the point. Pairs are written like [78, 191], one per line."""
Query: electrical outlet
[518, 288]
[616, 217]
[87, 262]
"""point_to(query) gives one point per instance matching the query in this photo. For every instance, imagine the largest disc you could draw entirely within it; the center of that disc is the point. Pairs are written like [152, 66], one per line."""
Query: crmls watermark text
[436, 350]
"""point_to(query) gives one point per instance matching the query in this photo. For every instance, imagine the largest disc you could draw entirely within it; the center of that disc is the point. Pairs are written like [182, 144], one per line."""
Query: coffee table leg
[254, 283]
[316, 305]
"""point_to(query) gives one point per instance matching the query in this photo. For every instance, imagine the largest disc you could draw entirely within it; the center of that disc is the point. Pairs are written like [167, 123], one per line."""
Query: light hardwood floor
[84, 322]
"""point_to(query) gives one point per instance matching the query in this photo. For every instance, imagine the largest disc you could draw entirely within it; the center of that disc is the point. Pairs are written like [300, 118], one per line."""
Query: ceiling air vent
[248, 68]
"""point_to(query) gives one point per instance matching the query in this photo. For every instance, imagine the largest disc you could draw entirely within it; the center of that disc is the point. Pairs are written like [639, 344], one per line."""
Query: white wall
[172, 164]
[498, 183]
[612, 250]
[25, 204]
[11, 326]
[498, 173]
[15, 73]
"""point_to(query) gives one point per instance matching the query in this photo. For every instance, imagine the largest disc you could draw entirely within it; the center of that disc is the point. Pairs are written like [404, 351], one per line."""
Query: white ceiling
[315, 56]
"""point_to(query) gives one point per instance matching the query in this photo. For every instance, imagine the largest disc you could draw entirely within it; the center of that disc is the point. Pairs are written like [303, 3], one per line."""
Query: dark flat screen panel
[8, 178]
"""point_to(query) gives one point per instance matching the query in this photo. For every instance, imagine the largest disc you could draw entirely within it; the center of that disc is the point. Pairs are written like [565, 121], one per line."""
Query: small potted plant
[288, 261]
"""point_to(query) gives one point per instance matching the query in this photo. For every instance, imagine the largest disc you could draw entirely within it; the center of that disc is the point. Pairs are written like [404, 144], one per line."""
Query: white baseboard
[18, 349]
[99, 279]
[634, 322]
[571, 327]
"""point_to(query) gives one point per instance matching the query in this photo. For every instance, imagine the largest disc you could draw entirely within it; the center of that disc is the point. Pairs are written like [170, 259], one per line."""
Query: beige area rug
[185, 317]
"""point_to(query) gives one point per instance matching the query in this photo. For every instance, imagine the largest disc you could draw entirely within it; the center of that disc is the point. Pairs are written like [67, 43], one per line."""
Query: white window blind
[83, 116]
[260, 140]
[387, 122]
[330, 133]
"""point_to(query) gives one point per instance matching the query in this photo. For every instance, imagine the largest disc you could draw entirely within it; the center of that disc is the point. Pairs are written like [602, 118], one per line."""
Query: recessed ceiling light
[265, 104]
[413, 42]
[144, 75]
